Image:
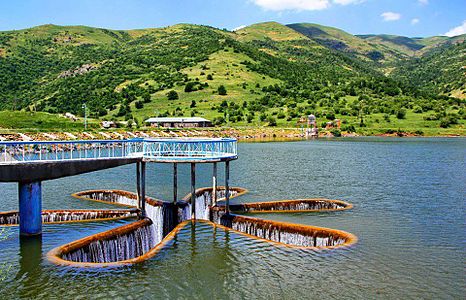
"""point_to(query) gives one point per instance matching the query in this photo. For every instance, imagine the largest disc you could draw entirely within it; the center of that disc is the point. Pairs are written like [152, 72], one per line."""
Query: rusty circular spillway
[142, 239]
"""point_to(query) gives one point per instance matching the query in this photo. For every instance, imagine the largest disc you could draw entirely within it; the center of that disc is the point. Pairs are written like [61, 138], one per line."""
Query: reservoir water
[409, 216]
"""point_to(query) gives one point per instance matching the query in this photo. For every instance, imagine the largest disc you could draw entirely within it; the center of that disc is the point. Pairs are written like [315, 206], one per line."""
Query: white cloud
[414, 21]
[279, 5]
[459, 30]
[346, 2]
[390, 16]
[423, 2]
[239, 27]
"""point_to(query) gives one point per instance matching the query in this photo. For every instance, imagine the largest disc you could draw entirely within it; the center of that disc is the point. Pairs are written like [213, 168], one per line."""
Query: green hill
[441, 70]
[338, 40]
[268, 30]
[266, 73]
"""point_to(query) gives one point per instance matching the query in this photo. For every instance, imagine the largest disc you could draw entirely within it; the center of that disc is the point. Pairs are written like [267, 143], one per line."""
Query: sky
[414, 18]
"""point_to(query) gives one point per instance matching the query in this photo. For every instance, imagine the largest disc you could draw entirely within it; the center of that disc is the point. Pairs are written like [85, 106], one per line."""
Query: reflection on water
[409, 216]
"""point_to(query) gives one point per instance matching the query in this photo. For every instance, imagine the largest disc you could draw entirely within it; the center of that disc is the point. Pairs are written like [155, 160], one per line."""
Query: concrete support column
[214, 185]
[193, 191]
[30, 208]
[175, 183]
[227, 187]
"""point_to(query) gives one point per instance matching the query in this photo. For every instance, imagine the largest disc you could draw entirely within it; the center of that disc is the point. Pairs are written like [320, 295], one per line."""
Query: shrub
[401, 113]
[172, 95]
[190, 86]
[218, 121]
[330, 115]
[386, 117]
[146, 97]
[336, 132]
[222, 90]
[272, 121]
[139, 104]
[418, 110]
[349, 128]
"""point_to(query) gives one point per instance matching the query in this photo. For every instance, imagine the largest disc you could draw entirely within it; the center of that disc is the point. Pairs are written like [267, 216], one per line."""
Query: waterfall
[113, 197]
[290, 234]
[54, 216]
[155, 213]
[184, 213]
[118, 248]
[203, 202]
[291, 205]
[10, 218]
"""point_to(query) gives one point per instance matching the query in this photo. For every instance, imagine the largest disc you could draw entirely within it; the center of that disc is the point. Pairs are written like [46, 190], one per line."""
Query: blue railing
[189, 149]
[148, 149]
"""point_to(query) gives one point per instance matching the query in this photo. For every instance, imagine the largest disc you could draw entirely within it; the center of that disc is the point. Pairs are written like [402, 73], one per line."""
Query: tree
[222, 91]
[262, 117]
[193, 104]
[139, 104]
[210, 77]
[401, 113]
[146, 97]
[172, 95]
[189, 87]
[272, 121]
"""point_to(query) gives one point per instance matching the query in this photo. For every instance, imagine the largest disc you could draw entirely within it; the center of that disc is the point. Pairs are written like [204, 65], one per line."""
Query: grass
[39, 121]
[227, 70]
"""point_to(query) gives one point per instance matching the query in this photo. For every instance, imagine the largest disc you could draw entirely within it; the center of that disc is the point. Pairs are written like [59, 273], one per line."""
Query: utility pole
[85, 115]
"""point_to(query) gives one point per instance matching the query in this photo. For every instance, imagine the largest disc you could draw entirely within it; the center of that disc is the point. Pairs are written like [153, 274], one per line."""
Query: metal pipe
[138, 183]
[143, 188]
[193, 191]
[214, 185]
[227, 187]
[175, 182]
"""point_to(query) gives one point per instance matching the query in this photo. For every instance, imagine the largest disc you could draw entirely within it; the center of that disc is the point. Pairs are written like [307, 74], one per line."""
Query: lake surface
[409, 215]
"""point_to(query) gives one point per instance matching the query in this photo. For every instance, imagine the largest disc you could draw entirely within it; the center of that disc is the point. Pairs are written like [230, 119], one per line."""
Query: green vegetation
[266, 74]
[42, 121]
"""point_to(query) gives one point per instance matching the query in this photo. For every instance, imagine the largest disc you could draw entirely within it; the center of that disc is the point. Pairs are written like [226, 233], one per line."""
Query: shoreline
[242, 134]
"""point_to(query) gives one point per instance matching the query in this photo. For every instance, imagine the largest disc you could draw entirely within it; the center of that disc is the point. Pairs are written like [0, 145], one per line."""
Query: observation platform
[29, 163]
[32, 161]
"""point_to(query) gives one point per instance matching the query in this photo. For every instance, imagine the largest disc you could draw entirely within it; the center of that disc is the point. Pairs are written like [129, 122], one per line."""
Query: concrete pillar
[30, 208]
[214, 185]
[143, 189]
[227, 187]
[175, 183]
[193, 191]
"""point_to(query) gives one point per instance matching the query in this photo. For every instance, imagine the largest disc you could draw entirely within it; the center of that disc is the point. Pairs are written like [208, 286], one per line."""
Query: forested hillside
[267, 74]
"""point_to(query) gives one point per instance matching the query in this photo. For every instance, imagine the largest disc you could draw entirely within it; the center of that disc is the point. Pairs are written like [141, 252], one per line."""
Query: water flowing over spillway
[285, 233]
[119, 248]
[138, 241]
[64, 216]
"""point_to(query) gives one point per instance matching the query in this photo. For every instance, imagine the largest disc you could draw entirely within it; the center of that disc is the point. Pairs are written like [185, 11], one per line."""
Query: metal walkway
[154, 150]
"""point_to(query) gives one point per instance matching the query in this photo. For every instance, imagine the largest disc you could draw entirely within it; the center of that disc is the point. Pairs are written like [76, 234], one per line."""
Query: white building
[183, 122]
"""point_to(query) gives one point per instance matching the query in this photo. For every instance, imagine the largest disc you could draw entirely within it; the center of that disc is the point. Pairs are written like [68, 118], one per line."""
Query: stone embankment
[240, 134]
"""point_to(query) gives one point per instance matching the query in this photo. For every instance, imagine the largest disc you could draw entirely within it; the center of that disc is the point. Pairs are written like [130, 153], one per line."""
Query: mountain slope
[337, 39]
[266, 73]
[268, 30]
[441, 70]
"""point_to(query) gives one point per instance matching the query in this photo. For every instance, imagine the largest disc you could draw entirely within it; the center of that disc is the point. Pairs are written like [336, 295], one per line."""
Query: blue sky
[402, 17]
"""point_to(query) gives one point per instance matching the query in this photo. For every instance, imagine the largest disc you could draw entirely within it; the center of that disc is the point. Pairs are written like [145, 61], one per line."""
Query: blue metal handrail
[174, 149]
